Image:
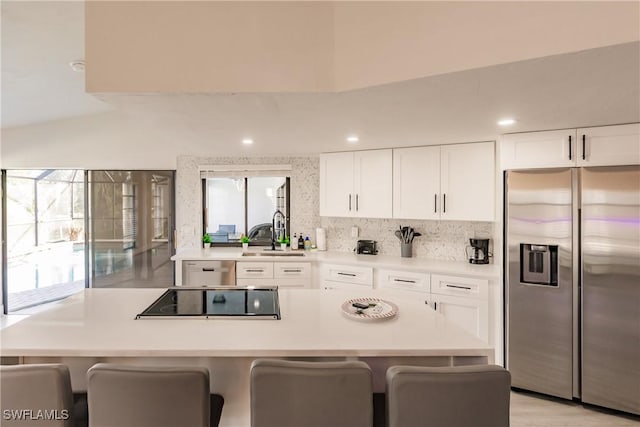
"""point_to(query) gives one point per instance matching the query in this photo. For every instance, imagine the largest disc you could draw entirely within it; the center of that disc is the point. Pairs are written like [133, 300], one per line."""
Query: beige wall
[271, 46]
[181, 46]
[379, 42]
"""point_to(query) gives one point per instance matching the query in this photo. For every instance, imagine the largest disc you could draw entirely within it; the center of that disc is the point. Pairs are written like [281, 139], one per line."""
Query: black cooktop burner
[247, 303]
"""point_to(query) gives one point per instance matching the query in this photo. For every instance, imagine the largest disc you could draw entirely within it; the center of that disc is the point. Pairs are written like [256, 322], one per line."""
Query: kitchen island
[99, 325]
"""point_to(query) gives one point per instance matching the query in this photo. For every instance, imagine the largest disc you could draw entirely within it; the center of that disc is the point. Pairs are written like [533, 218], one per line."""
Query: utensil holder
[406, 250]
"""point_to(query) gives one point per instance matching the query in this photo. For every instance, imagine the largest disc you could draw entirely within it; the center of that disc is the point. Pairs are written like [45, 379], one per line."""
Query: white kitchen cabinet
[467, 182]
[462, 300]
[346, 277]
[281, 274]
[609, 145]
[449, 182]
[593, 146]
[468, 313]
[556, 148]
[356, 184]
[336, 184]
[416, 183]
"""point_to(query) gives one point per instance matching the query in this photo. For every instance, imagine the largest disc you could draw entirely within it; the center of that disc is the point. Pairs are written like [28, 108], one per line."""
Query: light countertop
[487, 271]
[101, 322]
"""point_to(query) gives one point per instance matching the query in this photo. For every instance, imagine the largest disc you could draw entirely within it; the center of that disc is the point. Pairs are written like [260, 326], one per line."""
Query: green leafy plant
[206, 238]
[244, 239]
[284, 239]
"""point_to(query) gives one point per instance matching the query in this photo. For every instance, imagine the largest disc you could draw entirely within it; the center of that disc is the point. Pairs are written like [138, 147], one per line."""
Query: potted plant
[284, 241]
[245, 242]
[206, 240]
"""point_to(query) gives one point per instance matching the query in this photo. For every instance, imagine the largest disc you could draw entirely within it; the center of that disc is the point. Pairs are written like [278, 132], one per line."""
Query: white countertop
[101, 322]
[487, 271]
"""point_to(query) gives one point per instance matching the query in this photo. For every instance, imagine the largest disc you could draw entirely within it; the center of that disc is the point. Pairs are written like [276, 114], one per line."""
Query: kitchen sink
[273, 253]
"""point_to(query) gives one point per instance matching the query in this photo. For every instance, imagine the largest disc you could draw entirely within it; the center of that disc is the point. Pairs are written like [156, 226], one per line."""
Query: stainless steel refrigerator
[572, 279]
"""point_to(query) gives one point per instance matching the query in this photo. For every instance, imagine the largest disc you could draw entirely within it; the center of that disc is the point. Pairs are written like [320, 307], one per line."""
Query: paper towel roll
[321, 239]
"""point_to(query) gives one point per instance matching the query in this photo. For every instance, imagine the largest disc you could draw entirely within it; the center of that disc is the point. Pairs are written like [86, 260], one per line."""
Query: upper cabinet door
[548, 149]
[416, 183]
[373, 183]
[337, 197]
[467, 182]
[609, 145]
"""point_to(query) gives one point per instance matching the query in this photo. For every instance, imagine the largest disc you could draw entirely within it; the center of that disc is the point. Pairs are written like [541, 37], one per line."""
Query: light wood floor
[533, 410]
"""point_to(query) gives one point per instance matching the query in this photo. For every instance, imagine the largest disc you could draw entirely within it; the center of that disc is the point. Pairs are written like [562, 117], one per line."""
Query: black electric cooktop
[241, 303]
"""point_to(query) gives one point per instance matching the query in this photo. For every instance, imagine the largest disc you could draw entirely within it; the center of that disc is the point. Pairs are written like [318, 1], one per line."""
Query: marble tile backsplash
[304, 193]
[444, 240]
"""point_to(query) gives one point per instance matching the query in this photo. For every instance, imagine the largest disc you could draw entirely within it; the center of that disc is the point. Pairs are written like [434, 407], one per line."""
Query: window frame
[245, 178]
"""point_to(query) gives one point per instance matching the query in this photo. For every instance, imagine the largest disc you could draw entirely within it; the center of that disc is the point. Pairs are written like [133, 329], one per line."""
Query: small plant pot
[283, 246]
[245, 247]
[207, 246]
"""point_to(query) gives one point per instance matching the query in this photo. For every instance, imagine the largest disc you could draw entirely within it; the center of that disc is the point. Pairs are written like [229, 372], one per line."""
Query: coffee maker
[479, 251]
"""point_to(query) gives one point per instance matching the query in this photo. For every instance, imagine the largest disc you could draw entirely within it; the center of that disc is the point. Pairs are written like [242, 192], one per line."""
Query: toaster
[367, 247]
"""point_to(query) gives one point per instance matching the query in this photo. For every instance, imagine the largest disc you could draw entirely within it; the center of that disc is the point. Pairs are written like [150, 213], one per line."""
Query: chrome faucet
[273, 228]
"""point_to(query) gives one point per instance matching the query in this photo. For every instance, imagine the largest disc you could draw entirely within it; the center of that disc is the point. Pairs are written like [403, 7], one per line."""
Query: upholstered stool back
[463, 396]
[311, 394]
[135, 396]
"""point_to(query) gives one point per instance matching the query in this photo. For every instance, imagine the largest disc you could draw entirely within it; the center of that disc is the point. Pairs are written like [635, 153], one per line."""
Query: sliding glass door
[67, 229]
[44, 235]
[131, 226]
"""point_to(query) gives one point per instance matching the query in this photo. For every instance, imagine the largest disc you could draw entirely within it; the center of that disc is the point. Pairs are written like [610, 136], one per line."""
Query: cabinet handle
[584, 146]
[254, 270]
[569, 147]
[457, 287]
[208, 269]
[347, 274]
[349, 202]
[356, 202]
[444, 203]
[292, 271]
[435, 203]
[404, 281]
[435, 306]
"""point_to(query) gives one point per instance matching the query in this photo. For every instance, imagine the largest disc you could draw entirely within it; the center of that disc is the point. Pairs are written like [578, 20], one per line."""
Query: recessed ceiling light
[353, 138]
[247, 141]
[77, 66]
[506, 122]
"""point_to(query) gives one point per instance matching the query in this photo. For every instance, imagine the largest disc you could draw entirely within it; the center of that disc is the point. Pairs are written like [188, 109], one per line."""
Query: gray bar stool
[136, 396]
[32, 391]
[462, 396]
[310, 394]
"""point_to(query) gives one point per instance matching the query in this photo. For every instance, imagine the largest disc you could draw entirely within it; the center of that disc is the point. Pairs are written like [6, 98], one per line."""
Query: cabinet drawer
[257, 270]
[402, 280]
[459, 286]
[291, 269]
[348, 274]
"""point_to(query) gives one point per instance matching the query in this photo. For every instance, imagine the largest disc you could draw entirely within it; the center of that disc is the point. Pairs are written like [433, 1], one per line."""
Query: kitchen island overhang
[98, 325]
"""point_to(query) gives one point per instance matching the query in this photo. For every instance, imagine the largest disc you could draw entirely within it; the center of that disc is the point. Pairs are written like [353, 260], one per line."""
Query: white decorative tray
[378, 309]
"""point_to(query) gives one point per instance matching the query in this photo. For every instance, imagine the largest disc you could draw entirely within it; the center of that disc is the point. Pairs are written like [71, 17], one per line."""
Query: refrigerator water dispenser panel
[539, 264]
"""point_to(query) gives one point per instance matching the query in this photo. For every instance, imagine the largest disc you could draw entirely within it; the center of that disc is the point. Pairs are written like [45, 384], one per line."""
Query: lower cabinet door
[470, 314]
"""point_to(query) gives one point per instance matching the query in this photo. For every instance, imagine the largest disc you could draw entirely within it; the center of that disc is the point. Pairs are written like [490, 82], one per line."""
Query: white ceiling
[593, 87]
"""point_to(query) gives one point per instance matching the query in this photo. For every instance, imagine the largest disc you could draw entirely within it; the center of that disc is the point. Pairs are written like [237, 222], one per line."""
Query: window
[234, 206]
